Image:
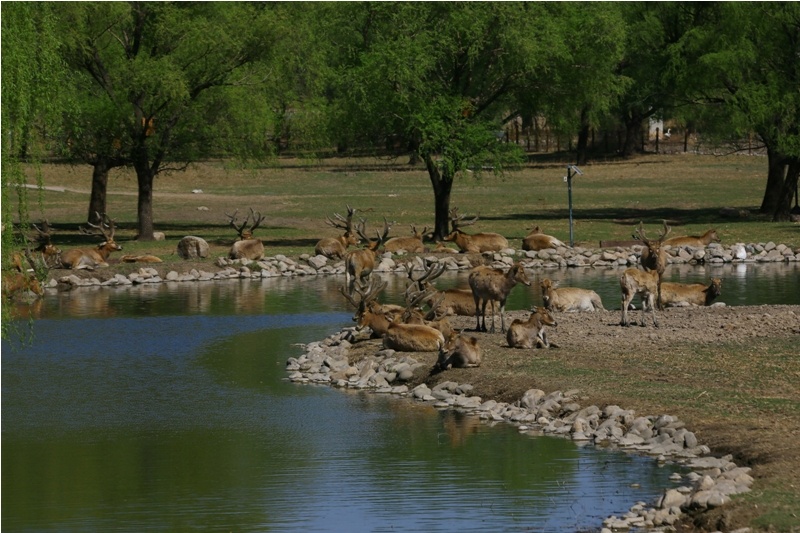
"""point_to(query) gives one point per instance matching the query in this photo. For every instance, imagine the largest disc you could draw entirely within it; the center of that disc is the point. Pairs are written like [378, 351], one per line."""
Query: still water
[163, 408]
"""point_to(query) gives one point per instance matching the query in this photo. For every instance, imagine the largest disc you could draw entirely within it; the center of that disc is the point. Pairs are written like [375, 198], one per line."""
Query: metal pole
[569, 193]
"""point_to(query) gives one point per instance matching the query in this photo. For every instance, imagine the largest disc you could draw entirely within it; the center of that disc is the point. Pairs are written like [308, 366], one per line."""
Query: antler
[242, 230]
[386, 228]
[365, 294]
[105, 222]
[640, 233]
[457, 221]
[348, 222]
[429, 273]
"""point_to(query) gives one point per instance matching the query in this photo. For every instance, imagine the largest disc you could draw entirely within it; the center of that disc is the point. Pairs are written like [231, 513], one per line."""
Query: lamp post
[571, 171]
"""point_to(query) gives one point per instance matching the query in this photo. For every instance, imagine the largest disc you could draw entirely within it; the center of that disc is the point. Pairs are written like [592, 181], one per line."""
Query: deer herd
[422, 323]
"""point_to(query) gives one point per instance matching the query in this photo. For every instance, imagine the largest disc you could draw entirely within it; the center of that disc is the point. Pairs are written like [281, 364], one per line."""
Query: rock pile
[710, 483]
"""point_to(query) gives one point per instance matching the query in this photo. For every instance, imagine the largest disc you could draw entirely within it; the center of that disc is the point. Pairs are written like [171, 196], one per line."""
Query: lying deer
[91, 258]
[359, 263]
[536, 240]
[477, 242]
[458, 351]
[530, 333]
[449, 302]
[369, 313]
[15, 282]
[412, 338]
[336, 247]
[644, 283]
[690, 294]
[569, 299]
[491, 284]
[246, 247]
[411, 244]
[696, 242]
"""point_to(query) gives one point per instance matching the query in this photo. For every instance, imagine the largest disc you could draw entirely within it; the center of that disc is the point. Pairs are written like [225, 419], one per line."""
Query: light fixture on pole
[571, 171]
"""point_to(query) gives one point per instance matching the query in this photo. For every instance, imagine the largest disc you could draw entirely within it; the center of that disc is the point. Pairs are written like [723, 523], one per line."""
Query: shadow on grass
[628, 217]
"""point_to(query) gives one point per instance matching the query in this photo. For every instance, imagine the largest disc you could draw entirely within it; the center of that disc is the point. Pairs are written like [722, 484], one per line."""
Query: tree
[164, 70]
[438, 78]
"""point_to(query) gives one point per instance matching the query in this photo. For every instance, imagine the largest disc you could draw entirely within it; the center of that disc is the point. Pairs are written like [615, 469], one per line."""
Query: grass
[608, 200]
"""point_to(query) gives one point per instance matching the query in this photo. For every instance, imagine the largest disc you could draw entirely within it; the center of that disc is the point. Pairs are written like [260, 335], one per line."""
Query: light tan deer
[493, 285]
[412, 338]
[246, 247]
[644, 283]
[449, 302]
[536, 240]
[458, 351]
[477, 242]
[91, 258]
[359, 263]
[569, 299]
[690, 294]
[336, 247]
[654, 256]
[530, 333]
[411, 244]
[697, 242]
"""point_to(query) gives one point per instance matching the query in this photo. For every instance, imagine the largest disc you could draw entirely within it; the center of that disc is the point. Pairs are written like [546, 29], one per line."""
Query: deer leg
[483, 313]
[625, 302]
[502, 316]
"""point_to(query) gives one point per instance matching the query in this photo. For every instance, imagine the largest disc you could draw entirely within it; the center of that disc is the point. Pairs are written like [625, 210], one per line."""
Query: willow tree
[438, 78]
[165, 69]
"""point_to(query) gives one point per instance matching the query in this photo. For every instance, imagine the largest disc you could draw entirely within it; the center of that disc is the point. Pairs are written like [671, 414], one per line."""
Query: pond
[164, 407]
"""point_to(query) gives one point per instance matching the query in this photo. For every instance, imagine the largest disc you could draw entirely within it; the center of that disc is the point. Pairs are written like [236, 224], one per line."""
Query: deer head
[653, 255]
[107, 227]
[243, 231]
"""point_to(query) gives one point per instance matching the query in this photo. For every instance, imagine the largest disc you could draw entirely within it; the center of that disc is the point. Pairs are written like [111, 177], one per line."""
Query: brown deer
[490, 285]
[458, 301]
[530, 333]
[50, 255]
[411, 244]
[536, 240]
[569, 299]
[91, 258]
[413, 314]
[14, 282]
[369, 313]
[246, 247]
[654, 256]
[336, 247]
[644, 283]
[477, 242]
[412, 338]
[458, 351]
[690, 294]
[359, 263]
[697, 242]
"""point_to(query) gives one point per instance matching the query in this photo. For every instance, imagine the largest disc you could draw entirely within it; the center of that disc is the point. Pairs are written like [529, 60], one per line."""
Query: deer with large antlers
[448, 302]
[477, 242]
[493, 285]
[654, 256]
[411, 244]
[246, 247]
[336, 247]
[48, 254]
[91, 258]
[369, 313]
[359, 263]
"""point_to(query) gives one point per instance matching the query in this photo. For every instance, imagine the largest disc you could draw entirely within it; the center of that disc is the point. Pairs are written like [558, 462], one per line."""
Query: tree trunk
[788, 191]
[775, 177]
[583, 139]
[633, 126]
[442, 185]
[97, 200]
[144, 177]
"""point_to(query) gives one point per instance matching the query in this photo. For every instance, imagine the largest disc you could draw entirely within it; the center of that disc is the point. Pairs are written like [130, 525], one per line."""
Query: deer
[411, 244]
[690, 294]
[492, 284]
[449, 302]
[14, 282]
[477, 242]
[91, 258]
[49, 256]
[412, 338]
[696, 242]
[458, 351]
[359, 263]
[369, 313]
[536, 240]
[246, 247]
[433, 318]
[336, 247]
[569, 299]
[644, 283]
[654, 257]
[530, 333]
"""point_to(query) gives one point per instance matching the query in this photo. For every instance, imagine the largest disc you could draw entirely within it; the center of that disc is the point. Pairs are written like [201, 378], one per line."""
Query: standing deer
[697, 242]
[654, 257]
[491, 284]
[536, 240]
[411, 244]
[530, 333]
[246, 247]
[477, 242]
[359, 263]
[644, 283]
[336, 247]
[458, 351]
[90, 258]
